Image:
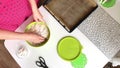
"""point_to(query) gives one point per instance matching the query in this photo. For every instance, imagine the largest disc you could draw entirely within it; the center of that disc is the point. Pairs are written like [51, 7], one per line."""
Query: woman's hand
[37, 16]
[34, 38]
[31, 37]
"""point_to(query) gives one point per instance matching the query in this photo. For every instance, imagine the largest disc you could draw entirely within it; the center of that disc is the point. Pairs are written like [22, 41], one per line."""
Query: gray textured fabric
[103, 31]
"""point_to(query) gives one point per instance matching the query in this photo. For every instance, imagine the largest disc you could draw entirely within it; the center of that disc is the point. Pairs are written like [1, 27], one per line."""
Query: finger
[42, 20]
[37, 20]
[42, 38]
[39, 41]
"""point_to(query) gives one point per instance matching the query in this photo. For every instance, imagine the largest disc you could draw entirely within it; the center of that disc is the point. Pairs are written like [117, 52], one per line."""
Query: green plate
[40, 23]
[69, 48]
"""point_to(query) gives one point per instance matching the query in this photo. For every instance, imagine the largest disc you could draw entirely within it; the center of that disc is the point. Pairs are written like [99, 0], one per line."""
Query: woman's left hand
[37, 16]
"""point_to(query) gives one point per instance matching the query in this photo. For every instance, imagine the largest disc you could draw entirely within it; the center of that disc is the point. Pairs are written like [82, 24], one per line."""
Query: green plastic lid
[108, 3]
[69, 48]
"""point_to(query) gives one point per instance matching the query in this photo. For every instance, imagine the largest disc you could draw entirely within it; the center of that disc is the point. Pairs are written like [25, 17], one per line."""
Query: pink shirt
[13, 13]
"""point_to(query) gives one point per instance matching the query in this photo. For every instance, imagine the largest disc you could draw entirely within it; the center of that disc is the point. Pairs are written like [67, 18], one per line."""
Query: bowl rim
[41, 23]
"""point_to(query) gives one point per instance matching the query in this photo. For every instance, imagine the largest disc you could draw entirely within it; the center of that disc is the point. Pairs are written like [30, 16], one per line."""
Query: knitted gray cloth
[103, 31]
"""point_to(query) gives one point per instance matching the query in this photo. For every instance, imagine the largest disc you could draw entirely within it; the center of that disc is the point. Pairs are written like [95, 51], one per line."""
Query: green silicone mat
[108, 3]
[80, 61]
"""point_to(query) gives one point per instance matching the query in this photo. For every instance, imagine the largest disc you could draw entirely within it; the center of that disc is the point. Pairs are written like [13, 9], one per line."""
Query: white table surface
[95, 58]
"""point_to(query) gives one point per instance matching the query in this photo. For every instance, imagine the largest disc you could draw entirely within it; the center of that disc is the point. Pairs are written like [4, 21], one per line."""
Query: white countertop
[95, 58]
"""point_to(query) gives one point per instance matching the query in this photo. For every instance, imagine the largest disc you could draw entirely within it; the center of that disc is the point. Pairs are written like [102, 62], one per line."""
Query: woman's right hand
[34, 38]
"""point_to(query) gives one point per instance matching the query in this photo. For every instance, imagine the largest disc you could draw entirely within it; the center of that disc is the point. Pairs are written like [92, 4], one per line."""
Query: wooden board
[6, 60]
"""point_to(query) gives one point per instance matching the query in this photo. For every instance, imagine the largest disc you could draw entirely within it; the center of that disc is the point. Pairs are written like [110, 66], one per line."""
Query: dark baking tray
[70, 13]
